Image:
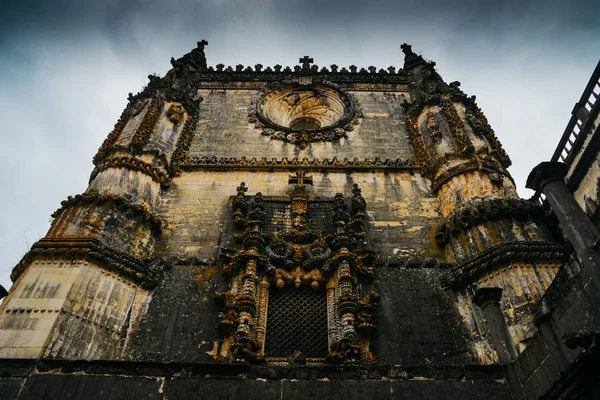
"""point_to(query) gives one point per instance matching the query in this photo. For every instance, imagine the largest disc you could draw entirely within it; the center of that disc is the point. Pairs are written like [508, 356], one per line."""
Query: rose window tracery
[301, 114]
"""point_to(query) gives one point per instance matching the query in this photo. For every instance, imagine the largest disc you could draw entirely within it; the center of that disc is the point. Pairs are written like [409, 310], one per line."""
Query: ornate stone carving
[461, 141]
[184, 142]
[482, 210]
[148, 124]
[192, 62]
[135, 165]
[290, 259]
[195, 163]
[100, 198]
[481, 126]
[433, 127]
[300, 114]
[428, 89]
[503, 254]
[350, 75]
[147, 273]
[175, 113]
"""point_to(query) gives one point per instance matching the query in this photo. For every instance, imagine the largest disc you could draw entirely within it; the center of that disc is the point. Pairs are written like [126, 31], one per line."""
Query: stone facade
[267, 232]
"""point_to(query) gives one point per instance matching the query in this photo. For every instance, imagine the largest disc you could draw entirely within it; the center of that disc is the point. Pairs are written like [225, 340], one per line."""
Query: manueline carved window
[294, 276]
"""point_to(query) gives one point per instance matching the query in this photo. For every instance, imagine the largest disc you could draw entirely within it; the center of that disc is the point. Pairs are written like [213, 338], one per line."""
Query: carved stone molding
[203, 162]
[344, 75]
[184, 142]
[488, 260]
[101, 198]
[482, 162]
[461, 142]
[112, 136]
[148, 274]
[133, 164]
[143, 132]
[483, 210]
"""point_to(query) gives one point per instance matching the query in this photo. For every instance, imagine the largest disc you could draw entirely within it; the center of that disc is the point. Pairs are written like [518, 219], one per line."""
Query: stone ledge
[18, 367]
[133, 164]
[199, 163]
[503, 254]
[120, 202]
[125, 265]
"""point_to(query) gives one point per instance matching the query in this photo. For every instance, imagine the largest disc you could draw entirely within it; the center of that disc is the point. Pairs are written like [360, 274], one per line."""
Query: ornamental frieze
[201, 162]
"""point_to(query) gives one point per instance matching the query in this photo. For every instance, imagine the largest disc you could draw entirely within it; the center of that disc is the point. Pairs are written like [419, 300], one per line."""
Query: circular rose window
[302, 114]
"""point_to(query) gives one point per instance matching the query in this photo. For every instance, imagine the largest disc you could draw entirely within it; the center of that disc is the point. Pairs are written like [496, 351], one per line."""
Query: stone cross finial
[301, 178]
[306, 61]
[406, 49]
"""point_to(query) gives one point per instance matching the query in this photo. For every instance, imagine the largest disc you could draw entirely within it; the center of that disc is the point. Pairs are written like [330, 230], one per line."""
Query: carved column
[548, 177]
[333, 331]
[263, 309]
[347, 301]
[488, 299]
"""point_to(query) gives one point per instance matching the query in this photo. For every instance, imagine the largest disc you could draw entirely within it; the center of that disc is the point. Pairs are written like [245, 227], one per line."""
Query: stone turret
[488, 231]
[101, 244]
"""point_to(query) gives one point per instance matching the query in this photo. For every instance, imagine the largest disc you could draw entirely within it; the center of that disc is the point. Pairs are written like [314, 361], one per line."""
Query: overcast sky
[66, 68]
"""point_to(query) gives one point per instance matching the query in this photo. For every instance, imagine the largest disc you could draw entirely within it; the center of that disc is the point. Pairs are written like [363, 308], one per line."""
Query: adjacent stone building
[297, 232]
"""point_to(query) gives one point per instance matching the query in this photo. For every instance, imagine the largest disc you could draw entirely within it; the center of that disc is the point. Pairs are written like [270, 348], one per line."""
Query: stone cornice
[545, 172]
[473, 164]
[101, 198]
[351, 75]
[205, 162]
[484, 210]
[503, 254]
[140, 272]
[133, 164]
[348, 86]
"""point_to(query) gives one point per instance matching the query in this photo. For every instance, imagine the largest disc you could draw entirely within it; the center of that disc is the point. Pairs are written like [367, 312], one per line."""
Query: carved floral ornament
[300, 114]
[289, 260]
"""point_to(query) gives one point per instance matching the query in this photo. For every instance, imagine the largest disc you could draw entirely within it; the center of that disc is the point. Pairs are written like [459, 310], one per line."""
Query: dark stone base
[126, 380]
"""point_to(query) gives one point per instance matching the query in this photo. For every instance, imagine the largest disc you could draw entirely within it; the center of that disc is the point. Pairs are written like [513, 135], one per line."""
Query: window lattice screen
[297, 320]
[279, 216]
[319, 216]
